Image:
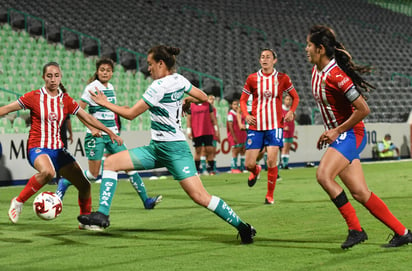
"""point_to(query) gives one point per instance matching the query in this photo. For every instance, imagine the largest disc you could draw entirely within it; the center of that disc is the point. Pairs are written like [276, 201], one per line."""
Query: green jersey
[104, 115]
[164, 96]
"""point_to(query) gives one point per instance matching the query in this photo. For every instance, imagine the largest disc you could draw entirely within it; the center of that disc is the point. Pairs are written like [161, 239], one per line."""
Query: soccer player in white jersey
[96, 141]
[266, 120]
[336, 87]
[49, 106]
[168, 147]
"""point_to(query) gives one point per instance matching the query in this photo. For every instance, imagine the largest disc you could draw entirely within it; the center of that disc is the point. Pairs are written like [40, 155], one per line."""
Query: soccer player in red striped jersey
[337, 88]
[49, 107]
[266, 118]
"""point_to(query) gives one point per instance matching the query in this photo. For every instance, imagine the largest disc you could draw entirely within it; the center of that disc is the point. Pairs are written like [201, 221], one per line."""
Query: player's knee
[361, 196]
[46, 175]
[110, 164]
[321, 177]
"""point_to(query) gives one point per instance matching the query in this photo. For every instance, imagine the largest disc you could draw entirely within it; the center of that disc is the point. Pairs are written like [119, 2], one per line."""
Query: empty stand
[224, 38]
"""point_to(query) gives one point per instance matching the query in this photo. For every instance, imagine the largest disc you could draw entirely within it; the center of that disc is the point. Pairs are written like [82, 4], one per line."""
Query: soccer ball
[47, 205]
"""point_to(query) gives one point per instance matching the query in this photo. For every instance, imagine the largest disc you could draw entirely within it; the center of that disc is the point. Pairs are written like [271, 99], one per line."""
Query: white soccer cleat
[90, 227]
[15, 210]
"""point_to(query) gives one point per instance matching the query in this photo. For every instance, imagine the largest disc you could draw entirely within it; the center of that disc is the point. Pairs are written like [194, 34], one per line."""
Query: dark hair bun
[173, 50]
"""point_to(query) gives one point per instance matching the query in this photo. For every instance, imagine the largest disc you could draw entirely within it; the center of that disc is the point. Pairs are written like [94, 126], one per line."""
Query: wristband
[189, 130]
[215, 126]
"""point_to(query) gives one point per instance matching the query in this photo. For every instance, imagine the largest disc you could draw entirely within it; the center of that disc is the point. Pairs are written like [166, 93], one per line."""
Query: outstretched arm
[14, 106]
[89, 119]
[125, 112]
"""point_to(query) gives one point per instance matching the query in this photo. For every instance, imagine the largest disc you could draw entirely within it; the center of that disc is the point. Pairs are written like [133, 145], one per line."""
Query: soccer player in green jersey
[168, 147]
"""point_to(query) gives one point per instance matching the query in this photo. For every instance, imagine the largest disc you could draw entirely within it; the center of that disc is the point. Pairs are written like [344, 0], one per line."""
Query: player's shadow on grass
[332, 246]
[180, 234]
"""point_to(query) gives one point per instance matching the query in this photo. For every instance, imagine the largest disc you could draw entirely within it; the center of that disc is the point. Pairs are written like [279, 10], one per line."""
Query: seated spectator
[386, 149]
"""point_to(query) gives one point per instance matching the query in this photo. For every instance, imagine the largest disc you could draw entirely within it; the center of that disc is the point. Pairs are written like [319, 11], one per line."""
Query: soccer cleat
[61, 189]
[88, 175]
[90, 227]
[247, 234]
[94, 219]
[354, 237]
[235, 171]
[150, 203]
[15, 210]
[253, 178]
[269, 201]
[400, 240]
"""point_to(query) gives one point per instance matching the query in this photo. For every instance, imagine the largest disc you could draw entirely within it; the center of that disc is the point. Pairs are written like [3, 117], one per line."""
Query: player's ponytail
[62, 88]
[325, 36]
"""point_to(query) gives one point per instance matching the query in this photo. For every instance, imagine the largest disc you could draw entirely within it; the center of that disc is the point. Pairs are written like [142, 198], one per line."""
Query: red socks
[85, 206]
[347, 211]
[349, 214]
[379, 209]
[29, 190]
[272, 177]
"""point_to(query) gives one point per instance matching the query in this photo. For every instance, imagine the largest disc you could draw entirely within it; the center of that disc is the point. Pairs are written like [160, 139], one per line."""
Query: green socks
[107, 189]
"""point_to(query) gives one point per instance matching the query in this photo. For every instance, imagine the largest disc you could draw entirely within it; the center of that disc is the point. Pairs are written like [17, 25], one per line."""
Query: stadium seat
[19, 125]
[214, 28]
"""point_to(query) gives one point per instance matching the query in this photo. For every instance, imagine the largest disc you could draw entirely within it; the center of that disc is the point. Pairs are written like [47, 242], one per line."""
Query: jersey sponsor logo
[52, 116]
[176, 96]
[344, 81]
[112, 100]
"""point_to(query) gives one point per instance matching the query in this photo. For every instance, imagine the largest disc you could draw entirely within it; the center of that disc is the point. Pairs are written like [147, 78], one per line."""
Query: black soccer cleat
[247, 234]
[399, 240]
[95, 219]
[354, 237]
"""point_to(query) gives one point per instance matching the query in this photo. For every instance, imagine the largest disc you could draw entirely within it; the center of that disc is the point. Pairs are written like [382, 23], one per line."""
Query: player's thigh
[142, 157]
[177, 158]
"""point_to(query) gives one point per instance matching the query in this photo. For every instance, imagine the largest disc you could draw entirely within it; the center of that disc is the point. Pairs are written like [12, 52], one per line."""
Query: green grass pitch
[302, 231]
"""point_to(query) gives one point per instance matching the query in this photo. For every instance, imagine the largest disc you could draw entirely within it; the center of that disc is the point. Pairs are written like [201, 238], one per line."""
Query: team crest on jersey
[267, 93]
[52, 116]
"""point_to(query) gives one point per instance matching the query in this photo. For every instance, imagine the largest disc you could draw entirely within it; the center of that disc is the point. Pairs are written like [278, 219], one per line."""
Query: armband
[189, 130]
[352, 94]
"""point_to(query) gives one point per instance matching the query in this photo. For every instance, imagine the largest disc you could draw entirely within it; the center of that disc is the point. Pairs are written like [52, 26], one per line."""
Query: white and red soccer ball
[47, 205]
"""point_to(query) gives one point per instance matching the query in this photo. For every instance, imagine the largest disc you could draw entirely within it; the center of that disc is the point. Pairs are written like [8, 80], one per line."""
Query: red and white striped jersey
[267, 91]
[328, 88]
[47, 115]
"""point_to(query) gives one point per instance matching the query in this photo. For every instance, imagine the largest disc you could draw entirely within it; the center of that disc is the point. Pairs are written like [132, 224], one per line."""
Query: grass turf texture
[302, 231]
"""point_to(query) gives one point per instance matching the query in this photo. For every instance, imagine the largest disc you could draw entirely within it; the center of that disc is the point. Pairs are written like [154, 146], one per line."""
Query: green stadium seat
[19, 125]
[7, 125]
